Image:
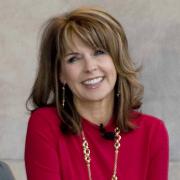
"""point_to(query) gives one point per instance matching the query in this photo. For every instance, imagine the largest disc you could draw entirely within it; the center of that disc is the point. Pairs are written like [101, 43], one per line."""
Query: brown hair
[96, 28]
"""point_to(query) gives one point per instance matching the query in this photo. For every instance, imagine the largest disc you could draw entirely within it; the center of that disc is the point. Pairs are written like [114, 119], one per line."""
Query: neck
[96, 112]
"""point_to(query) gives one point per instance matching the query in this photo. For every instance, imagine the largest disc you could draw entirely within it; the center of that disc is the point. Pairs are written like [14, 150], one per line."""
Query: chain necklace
[87, 158]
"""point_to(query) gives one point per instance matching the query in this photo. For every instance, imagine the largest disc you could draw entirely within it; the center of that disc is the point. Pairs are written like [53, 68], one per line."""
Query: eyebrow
[72, 53]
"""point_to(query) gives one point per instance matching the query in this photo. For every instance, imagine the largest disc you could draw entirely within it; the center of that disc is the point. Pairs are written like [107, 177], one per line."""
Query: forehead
[74, 38]
[77, 44]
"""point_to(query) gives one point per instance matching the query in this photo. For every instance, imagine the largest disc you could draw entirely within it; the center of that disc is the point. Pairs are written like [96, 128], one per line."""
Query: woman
[86, 123]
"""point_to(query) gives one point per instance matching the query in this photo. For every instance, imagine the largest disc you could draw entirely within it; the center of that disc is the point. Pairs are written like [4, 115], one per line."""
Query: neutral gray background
[153, 31]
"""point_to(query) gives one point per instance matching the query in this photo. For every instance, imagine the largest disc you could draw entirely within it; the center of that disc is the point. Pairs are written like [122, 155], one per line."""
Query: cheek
[110, 68]
[71, 74]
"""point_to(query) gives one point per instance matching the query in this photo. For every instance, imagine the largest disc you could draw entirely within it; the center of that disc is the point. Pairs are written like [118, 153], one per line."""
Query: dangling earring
[63, 95]
[118, 88]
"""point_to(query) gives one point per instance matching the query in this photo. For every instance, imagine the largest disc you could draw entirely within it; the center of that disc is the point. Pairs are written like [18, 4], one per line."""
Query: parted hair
[98, 29]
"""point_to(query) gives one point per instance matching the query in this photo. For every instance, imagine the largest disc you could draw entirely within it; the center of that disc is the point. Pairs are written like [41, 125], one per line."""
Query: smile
[93, 81]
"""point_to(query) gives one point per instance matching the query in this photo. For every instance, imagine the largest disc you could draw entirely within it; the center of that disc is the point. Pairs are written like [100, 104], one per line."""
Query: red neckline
[86, 122]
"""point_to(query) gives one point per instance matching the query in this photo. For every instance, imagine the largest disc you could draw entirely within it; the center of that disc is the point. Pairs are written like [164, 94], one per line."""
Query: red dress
[51, 155]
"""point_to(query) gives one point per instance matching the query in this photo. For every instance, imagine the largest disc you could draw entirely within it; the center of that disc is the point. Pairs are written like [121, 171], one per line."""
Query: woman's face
[89, 73]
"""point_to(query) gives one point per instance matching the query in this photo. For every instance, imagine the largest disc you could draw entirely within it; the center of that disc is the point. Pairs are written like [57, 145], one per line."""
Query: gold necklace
[87, 158]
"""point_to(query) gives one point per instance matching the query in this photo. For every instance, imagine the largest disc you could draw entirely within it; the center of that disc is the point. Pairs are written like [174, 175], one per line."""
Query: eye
[99, 52]
[72, 59]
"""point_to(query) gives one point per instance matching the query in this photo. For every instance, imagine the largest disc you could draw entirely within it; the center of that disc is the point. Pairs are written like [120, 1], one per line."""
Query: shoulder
[43, 134]
[149, 123]
[142, 119]
[44, 117]
[152, 131]
[50, 111]
[155, 135]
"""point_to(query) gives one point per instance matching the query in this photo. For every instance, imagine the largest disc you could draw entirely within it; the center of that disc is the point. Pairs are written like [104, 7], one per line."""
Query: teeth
[93, 81]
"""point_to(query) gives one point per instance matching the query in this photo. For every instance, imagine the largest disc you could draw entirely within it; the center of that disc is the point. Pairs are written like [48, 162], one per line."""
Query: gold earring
[63, 95]
[118, 88]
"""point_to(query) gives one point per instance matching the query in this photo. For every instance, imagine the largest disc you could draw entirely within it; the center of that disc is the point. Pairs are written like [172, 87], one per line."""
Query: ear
[62, 79]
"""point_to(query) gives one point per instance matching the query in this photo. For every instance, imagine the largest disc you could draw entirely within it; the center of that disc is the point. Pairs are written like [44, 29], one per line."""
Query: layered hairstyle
[97, 29]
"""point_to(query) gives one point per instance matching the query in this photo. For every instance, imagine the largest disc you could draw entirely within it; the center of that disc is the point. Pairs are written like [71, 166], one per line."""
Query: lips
[93, 81]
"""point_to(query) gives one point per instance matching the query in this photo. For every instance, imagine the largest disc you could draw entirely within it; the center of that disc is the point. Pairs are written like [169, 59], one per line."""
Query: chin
[97, 98]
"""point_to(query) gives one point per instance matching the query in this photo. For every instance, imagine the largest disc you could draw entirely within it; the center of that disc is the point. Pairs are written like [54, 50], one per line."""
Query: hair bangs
[88, 33]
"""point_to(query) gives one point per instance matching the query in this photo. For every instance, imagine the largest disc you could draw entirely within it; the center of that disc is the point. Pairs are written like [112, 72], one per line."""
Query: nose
[90, 64]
